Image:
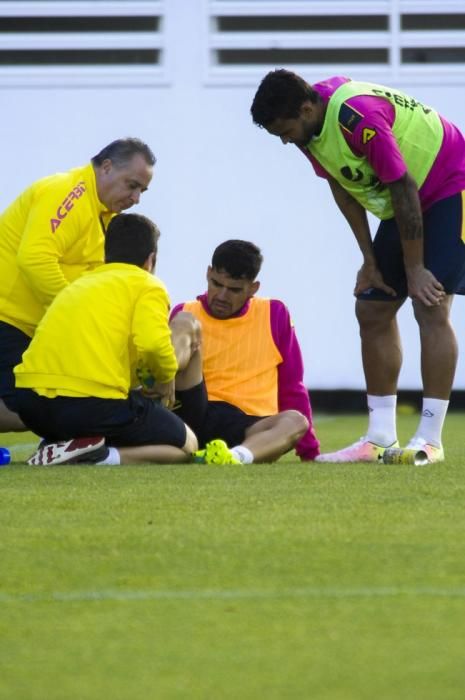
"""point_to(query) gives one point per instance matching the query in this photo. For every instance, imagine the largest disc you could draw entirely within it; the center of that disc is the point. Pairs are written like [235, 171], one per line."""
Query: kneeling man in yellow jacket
[74, 382]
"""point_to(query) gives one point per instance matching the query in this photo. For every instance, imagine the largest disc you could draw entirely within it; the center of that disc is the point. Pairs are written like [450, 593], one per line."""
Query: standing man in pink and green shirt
[384, 152]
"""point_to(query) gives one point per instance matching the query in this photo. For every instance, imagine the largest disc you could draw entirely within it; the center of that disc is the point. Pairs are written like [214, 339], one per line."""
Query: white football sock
[382, 419]
[243, 454]
[432, 419]
[113, 457]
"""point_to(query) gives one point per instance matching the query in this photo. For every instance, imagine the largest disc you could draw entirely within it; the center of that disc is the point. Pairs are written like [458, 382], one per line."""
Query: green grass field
[286, 581]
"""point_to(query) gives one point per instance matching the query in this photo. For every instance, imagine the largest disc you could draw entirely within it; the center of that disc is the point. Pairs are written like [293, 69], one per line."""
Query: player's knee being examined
[185, 323]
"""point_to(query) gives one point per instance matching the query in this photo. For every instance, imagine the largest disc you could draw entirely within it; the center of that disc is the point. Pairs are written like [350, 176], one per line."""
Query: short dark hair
[239, 259]
[130, 238]
[121, 151]
[280, 95]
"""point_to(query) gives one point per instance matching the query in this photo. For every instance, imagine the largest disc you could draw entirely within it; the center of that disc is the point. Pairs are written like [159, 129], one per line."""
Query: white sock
[382, 419]
[432, 419]
[243, 454]
[113, 457]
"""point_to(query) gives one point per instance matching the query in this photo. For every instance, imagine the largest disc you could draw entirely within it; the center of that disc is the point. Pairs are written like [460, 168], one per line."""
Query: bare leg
[270, 438]
[10, 421]
[160, 454]
[438, 362]
[185, 336]
[192, 375]
[381, 346]
[382, 359]
[187, 339]
[438, 348]
[156, 454]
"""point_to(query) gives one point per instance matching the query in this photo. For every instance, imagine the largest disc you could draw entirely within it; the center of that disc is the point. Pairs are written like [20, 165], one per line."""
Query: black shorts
[13, 343]
[213, 419]
[136, 420]
[444, 250]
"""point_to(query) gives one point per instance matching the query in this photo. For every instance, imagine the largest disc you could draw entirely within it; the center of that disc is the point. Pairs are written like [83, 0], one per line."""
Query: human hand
[369, 277]
[162, 392]
[424, 286]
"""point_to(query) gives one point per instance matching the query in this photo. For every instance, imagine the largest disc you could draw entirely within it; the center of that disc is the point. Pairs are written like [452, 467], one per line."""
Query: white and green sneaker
[361, 451]
[434, 454]
[215, 452]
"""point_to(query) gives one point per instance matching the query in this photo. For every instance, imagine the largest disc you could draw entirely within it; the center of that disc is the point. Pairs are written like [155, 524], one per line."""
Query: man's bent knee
[185, 323]
[298, 423]
[186, 337]
[373, 312]
[9, 420]
[432, 316]
[191, 444]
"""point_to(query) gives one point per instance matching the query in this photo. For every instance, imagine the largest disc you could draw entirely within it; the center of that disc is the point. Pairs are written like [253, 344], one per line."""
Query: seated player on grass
[74, 381]
[253, 397]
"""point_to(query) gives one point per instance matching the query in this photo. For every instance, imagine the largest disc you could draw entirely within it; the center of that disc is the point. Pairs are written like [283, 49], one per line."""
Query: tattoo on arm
[407, 209]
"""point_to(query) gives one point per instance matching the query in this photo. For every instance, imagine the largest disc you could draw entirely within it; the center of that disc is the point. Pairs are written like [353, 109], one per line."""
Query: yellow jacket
[49, 236]
[94, 331]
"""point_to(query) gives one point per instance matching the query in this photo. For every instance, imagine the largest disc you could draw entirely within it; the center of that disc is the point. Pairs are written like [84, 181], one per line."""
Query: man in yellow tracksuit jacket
[53, 233]
[74, 382]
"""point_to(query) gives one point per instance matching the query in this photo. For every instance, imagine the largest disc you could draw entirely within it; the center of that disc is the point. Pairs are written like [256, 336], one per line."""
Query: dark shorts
[13, 343]
[136, 420]
[213, 419]
[444, 250]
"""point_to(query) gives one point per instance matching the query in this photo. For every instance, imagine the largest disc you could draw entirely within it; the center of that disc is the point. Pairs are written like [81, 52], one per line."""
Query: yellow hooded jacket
[94, 331]
[49, 236]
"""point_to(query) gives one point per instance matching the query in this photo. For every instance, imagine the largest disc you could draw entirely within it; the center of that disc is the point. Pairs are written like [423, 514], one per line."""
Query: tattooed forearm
[407, 210]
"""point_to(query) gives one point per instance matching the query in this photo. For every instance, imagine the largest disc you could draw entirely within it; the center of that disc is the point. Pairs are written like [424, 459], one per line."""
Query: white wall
[218, 176]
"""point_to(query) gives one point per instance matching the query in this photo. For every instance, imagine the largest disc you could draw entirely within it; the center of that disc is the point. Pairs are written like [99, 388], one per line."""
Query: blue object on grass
[5, 456]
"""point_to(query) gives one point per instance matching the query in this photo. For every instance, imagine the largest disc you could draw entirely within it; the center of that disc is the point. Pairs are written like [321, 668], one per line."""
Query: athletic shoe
[215, 452]
[90, 450]
[361, 451]
[434, 454]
